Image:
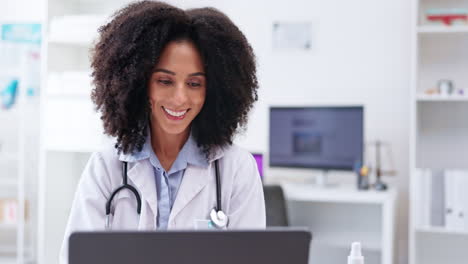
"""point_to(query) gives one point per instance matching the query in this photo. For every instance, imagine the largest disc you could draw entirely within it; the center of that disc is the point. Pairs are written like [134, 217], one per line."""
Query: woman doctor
[173, 86]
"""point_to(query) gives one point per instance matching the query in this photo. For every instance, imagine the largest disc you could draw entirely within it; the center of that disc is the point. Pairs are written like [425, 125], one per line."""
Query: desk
[339, 215]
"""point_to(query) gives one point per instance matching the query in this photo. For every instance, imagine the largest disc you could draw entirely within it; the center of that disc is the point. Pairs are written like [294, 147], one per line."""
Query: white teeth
[172, 113]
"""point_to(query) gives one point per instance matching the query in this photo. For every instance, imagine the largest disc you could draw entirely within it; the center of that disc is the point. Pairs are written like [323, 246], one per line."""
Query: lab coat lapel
[194, 180]
[142, 175]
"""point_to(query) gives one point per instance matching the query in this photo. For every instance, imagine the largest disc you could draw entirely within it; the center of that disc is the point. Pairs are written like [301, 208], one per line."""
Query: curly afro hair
[129, 47]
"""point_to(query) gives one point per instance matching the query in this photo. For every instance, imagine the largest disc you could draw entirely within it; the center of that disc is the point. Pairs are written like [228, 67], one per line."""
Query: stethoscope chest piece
[219, 218]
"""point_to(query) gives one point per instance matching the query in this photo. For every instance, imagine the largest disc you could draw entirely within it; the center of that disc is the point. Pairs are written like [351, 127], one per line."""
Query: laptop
[275, 246]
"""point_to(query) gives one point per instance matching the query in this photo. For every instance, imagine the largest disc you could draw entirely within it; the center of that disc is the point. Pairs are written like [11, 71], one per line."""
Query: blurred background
[361, 122]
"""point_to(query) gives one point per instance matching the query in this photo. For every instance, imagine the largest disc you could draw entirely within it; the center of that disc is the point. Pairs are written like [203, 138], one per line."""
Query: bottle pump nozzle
[355, 256]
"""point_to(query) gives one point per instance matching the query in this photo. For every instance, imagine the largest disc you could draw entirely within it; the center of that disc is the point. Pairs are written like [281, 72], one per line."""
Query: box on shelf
[9, 211]
[447, 16]
[444, 198]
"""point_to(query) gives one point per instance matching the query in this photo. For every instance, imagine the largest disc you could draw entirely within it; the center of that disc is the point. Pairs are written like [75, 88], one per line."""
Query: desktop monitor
[327, 138]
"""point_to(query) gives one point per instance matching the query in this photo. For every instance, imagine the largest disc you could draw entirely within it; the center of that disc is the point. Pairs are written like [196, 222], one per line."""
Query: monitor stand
[321, 180]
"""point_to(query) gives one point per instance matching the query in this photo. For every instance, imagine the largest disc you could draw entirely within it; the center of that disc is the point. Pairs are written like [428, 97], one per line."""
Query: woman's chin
[175, 129]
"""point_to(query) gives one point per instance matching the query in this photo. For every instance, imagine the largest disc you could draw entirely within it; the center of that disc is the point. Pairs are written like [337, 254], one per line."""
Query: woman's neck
[167, 146]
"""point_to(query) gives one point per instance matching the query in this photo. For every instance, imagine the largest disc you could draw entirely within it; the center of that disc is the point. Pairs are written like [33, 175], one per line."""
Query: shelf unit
[70, 127]
[19, 154]
[18, 182]
[438, 129]
[334, 215]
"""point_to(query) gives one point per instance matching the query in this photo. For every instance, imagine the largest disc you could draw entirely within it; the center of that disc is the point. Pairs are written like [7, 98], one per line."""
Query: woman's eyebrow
[165, 71]
[197, 74]
[173, 73]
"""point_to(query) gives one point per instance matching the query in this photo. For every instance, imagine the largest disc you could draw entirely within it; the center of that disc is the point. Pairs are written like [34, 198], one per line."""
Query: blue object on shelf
[8, 95]
[21, 33]
[30, 91]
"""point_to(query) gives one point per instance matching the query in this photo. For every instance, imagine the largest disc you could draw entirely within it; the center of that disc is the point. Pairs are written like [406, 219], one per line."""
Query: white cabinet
[338, 216]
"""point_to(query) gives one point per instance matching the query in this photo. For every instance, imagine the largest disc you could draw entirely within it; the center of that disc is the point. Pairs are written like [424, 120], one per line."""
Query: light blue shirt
[168, 182]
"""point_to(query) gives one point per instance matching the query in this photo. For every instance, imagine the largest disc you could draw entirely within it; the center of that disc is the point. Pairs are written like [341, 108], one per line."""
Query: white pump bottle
[355, 256]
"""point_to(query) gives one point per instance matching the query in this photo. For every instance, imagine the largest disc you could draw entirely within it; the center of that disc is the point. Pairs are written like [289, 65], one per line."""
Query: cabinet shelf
[71, 149]
[441, 98]
[426, 29]
[8, 260]
[4, 227]
[8, 182]
[79, 43]
[441, 230]
[13, 260]
[8, 157]
[341, 193]
[68, 95]
[338, 240]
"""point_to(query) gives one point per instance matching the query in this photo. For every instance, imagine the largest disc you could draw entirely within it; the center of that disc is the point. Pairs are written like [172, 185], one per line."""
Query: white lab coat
[241, 187]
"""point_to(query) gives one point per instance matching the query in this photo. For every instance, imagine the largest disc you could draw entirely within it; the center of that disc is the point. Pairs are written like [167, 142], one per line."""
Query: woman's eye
[165, 82]
[193, 84]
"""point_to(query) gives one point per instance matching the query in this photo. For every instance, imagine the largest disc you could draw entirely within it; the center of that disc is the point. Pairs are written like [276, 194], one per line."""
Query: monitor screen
[316, 137]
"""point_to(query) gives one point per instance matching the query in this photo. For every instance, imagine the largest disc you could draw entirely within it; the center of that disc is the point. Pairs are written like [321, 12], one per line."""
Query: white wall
[360, 55]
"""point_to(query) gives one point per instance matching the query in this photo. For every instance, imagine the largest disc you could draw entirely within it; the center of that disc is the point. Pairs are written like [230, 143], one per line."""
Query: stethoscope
[218, 218]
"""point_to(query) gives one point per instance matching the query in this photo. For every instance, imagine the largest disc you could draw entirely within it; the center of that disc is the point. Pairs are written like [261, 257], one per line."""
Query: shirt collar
[189, 154]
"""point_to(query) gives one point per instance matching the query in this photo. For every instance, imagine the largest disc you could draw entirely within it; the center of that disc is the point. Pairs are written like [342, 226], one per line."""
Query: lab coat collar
[194, 180]
[141, 174]
[218, 153]
[134, 156]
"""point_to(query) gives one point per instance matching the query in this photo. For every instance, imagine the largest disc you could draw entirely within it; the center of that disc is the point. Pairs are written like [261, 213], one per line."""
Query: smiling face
[177, 88]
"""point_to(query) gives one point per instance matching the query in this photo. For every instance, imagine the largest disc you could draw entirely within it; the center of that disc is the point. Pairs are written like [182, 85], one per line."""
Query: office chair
[275, 204]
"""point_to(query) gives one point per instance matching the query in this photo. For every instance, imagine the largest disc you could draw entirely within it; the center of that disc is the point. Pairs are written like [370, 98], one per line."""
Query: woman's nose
[180, 94]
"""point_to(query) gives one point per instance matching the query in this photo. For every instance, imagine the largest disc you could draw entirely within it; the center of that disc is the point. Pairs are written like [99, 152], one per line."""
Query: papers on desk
[444, 199]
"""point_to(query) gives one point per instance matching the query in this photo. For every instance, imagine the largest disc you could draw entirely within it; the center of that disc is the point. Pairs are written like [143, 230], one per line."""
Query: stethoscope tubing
[125, 185]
